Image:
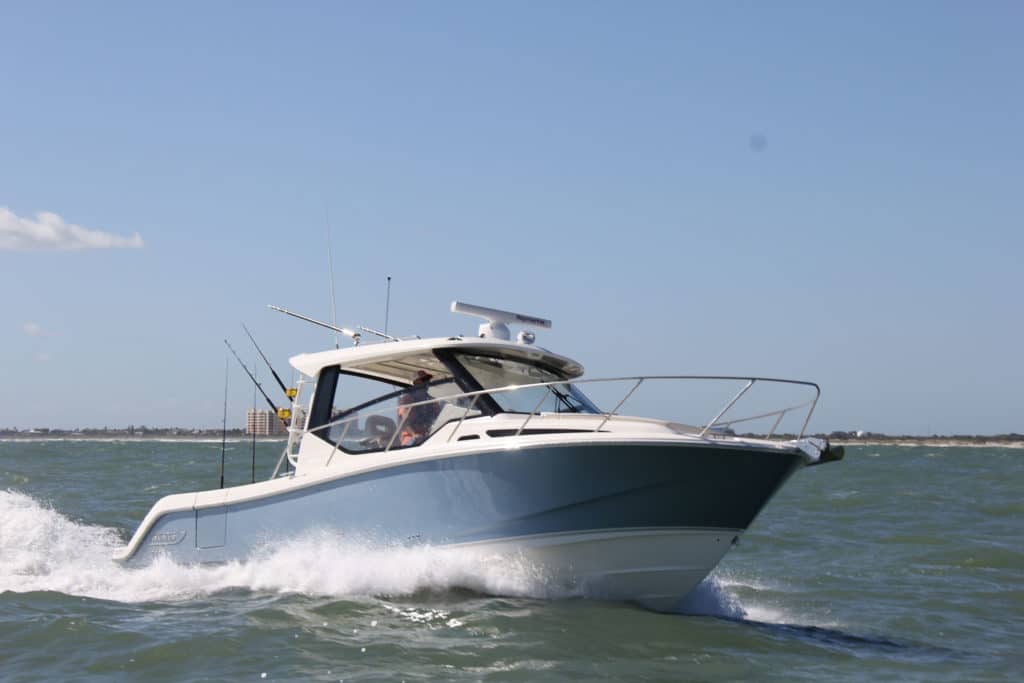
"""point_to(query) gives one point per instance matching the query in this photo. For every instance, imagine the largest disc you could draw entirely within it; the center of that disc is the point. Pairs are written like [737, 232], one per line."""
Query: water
[899, 563]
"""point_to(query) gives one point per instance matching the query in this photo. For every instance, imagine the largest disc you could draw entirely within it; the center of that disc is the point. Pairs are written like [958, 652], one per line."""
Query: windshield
[494, 373]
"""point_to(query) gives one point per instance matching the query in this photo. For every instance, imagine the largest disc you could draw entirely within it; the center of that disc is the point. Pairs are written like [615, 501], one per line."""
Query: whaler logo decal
[167, 538]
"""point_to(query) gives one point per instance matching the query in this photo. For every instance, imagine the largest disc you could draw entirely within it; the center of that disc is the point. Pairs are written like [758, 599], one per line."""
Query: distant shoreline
[941, 442]
[108, 438]
[195, 435]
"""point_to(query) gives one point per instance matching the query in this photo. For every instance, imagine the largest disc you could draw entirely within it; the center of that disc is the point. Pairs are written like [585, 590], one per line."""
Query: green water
[899, 563]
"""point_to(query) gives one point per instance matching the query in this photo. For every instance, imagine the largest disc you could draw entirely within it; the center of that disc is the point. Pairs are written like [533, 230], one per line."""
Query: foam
[43, 550]
[765, 602]
[712, 598]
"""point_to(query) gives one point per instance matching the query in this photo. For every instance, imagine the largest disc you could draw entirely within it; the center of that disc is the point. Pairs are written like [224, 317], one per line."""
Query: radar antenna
[498, 321]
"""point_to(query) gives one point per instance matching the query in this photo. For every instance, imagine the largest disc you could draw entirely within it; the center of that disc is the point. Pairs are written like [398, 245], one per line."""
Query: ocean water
[898, 563]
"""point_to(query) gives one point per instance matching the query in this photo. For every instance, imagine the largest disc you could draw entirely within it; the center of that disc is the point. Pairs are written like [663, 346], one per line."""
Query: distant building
[263, 423]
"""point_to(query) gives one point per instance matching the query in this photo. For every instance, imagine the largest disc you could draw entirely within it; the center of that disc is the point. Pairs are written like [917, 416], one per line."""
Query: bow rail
[467, 402]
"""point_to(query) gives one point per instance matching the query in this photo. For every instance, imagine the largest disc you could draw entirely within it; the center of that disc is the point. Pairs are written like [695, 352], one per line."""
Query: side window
[361, 414]
[364, 412]
[356, 413]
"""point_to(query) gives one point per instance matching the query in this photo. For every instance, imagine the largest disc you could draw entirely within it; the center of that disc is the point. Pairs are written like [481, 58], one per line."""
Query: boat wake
[44, 550]
[716, 597]
[711, 598]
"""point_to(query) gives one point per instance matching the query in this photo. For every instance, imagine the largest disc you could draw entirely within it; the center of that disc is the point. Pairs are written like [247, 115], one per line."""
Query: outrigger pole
[344, 330]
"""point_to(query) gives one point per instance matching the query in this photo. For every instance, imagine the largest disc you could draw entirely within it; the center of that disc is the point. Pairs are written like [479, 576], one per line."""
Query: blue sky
[826, 191]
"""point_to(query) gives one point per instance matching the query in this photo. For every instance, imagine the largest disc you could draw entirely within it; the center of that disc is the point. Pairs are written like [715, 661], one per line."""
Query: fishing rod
[224, 424]
[287, 393]
[344, 330]
[282, 413]
[254, 421]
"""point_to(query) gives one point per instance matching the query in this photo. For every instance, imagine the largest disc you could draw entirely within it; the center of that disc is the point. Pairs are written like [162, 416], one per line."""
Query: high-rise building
[263, 423]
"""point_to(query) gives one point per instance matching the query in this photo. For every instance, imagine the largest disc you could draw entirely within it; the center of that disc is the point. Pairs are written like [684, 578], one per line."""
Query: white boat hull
[655, 568]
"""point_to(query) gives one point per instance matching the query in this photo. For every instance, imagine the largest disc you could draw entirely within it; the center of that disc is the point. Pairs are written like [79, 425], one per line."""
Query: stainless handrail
[529, 416]
[462, 419]
[338, 441]
[750, 418]
[608, 416]
[638, 381]
[295, 430]
[728, 405]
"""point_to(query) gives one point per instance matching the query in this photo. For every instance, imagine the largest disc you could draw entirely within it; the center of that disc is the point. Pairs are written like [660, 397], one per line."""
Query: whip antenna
[387, 307]
[330, 270]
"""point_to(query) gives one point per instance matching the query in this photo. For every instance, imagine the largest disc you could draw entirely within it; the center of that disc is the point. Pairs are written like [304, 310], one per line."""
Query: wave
[714, 597]
[44, 550]
[711, 598]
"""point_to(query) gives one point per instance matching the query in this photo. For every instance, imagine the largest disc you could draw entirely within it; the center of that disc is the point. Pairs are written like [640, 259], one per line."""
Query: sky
[824, 191]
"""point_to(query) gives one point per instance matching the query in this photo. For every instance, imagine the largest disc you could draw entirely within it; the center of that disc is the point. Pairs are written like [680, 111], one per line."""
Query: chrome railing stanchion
[337, 442]
[807, 419]
[608, 416]
[398, 429]
[529, 417]
[280, 461]
[731, 403]
[463, 418]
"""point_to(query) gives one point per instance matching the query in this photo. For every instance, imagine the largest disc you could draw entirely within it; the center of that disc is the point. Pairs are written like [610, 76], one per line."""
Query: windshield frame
[567, 397]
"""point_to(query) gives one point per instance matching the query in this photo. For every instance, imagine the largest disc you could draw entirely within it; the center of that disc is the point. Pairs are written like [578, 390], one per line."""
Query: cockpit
[400, 401]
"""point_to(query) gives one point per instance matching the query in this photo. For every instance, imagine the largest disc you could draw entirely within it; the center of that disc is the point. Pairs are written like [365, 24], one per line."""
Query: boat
[491, 443]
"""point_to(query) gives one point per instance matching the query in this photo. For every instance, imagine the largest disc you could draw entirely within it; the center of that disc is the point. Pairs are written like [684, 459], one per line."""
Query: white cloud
[49, 231]
[33, 329]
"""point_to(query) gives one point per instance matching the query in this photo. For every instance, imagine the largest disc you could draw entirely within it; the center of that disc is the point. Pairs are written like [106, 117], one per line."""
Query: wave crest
[43, 550]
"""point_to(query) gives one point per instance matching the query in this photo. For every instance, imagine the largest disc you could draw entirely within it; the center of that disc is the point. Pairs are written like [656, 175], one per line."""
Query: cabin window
[360, 414]
[491, 372]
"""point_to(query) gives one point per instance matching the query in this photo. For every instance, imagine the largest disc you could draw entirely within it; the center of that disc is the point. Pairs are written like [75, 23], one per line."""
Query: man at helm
[415, 421]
